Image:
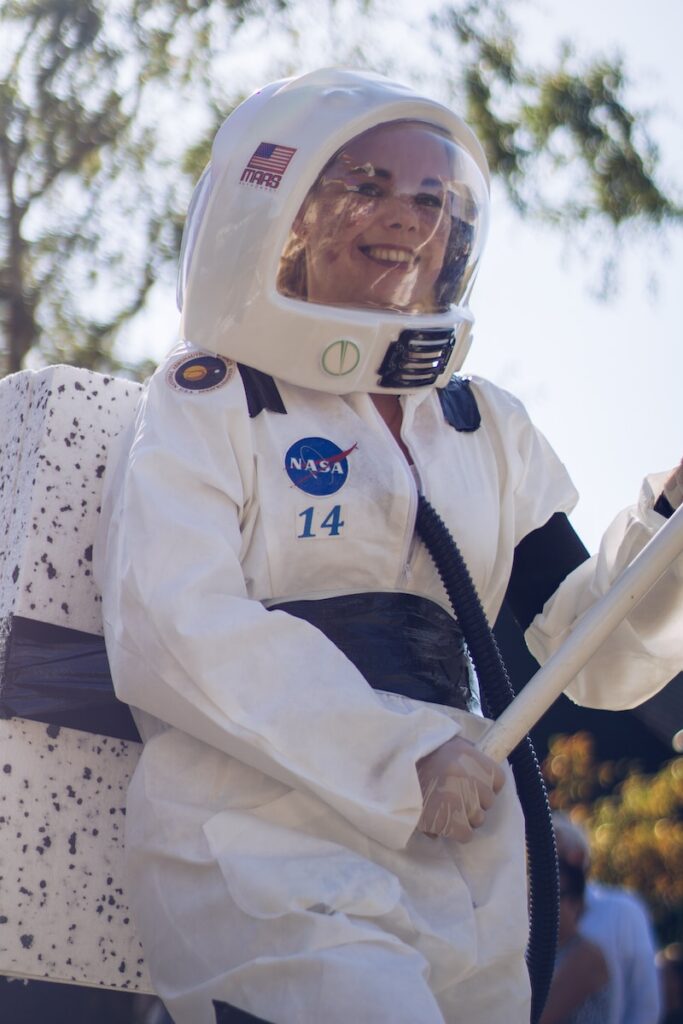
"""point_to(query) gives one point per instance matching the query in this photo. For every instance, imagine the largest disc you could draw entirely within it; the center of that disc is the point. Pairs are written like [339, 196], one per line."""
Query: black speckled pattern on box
[57, 425]
[63, 911]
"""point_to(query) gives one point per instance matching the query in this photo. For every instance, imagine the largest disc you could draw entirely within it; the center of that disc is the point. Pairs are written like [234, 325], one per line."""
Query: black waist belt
[399, 642]
[59, 676]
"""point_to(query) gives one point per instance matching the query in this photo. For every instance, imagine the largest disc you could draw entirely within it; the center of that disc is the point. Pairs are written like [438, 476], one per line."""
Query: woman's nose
[398, 213]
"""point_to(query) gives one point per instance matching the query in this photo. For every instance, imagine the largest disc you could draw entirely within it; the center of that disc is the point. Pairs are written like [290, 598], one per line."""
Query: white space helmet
[333, 239]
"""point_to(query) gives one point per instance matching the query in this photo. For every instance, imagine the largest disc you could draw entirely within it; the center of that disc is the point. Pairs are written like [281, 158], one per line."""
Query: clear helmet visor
[396, 220]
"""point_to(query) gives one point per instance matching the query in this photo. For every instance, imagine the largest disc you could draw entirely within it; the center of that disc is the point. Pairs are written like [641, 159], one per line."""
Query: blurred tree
[63, 122]
[95, 172]
[634, 822]
[87, 219]
[570, 119]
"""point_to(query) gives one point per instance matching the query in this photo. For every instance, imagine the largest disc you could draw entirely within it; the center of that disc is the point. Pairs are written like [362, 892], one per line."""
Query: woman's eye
[367, 188]
[429, 199]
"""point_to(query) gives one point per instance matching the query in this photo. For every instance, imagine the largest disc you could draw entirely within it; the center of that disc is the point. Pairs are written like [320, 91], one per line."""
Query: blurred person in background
[580, 990]
[618, 922]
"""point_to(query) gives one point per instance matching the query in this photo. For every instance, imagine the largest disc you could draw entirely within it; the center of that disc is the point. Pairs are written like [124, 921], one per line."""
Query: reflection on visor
[394, 221]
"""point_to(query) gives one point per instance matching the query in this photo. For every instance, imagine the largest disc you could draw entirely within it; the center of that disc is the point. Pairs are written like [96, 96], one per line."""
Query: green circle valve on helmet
[341, 357]
[334, 237]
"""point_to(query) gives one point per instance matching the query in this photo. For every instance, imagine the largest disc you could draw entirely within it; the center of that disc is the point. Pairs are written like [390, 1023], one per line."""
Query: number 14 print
[332, 523]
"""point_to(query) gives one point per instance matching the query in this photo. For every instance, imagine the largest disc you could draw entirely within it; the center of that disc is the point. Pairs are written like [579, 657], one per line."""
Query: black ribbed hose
[496, 694]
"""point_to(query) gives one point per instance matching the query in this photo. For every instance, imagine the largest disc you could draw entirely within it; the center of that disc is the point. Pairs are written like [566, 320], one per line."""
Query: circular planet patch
[200, 373]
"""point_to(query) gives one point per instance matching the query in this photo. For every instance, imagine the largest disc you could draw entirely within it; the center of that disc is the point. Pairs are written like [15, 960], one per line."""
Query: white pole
[588, 634]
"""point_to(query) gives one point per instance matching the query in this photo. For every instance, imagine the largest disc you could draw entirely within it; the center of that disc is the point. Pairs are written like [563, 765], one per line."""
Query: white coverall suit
[273, 858]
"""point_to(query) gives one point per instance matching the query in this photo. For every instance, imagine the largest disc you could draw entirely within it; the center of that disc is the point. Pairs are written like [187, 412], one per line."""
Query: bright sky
[601, 379]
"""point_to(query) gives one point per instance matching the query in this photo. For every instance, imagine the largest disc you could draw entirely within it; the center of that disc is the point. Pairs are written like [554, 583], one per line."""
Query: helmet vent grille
[417, 358]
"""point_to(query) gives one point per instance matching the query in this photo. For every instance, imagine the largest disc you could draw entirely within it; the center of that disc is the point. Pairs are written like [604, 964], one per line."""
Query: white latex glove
[459, 784]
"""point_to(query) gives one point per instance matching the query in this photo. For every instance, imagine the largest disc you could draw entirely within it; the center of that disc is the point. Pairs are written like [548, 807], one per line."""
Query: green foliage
[62, 113]
[569, 120]
[107, 110]
[634, 822]
[89, 211]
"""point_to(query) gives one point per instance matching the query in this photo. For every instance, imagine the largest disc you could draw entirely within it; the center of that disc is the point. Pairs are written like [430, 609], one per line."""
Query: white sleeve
[534, 483]
[187, 645]
[646, 651]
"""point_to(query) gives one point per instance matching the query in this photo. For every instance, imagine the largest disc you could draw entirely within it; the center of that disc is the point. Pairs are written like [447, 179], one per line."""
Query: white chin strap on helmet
[266, 158]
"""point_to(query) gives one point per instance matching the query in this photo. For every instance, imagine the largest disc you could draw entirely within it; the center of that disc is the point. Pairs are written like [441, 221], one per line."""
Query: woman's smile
[390, 256]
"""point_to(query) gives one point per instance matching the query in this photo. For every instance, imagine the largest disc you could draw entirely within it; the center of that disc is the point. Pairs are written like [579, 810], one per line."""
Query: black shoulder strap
[459, 405]
[261, 391]
[543, 559]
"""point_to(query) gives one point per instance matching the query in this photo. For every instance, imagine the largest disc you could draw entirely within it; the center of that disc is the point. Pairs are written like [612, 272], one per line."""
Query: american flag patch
[267, 165]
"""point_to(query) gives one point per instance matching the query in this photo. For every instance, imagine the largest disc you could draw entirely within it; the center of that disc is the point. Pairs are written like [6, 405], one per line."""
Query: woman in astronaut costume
[297, 840]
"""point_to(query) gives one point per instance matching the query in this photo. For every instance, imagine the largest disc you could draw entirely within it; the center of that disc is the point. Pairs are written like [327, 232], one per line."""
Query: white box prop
[63, 912]
[57, 425]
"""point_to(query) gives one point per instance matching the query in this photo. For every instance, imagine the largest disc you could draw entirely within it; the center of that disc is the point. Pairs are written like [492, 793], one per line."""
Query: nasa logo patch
[317, 465]
[200, 372]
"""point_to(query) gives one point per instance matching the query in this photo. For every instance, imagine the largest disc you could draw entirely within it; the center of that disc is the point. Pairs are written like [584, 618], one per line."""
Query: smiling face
[376, 228]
